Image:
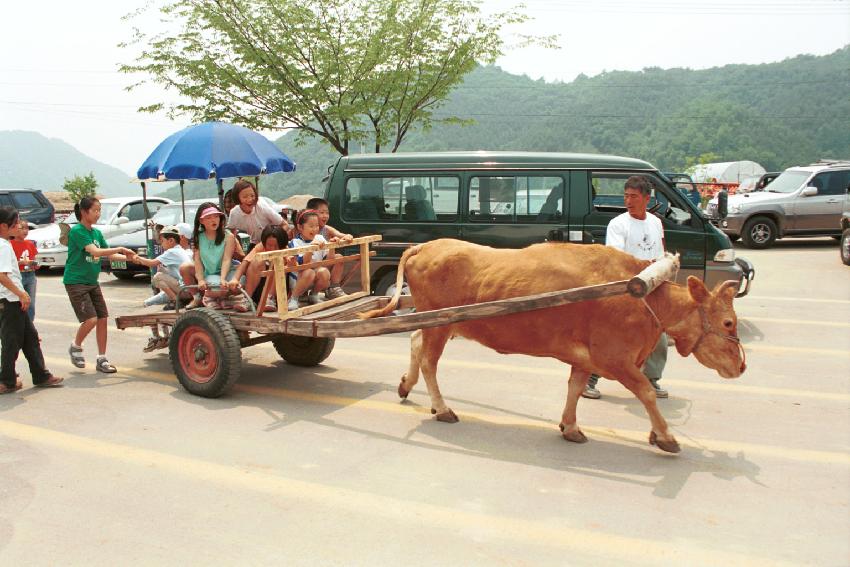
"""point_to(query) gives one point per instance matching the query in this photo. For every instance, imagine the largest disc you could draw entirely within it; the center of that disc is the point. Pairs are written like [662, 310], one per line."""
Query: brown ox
[611, 337]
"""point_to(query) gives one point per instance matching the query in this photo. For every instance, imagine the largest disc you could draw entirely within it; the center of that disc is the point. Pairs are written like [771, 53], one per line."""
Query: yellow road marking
[799, 299]
[620, 435]
[843, 353]
[795, 321]
[555, 532]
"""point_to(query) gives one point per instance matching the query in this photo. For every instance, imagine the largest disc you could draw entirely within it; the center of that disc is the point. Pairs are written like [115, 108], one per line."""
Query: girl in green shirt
[86, 246]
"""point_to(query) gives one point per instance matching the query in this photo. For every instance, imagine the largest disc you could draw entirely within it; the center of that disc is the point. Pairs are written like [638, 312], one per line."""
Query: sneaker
[170, 306]
[315, 298]
[152, 344]
[334, 292]
[158, 299]
[195, 303]
[212, 302]
[104, 366]
[271, 305]
[51, 382]
[162, 343]
[659, 391]
[77, 358]
[591, 393]
[293, 304]
[240, 303]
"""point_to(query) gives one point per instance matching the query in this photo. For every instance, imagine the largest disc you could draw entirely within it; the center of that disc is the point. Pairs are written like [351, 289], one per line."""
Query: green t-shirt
[81, 267]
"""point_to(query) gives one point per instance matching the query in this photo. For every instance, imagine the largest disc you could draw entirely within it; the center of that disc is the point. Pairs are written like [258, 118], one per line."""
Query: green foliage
[346, 72]
[780, 114]
[78, 187]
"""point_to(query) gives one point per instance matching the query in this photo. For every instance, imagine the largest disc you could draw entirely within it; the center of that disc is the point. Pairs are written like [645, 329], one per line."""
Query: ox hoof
[402, 391]
[576, 436]
[669, 446]
[447, 416]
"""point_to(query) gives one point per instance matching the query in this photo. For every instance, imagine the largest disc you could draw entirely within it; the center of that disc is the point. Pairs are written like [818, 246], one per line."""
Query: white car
[118, 215]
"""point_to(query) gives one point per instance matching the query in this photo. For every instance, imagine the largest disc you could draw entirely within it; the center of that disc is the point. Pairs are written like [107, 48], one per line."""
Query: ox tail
[399, 280]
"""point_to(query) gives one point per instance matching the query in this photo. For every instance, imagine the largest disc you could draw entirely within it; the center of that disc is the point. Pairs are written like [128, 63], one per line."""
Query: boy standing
[17, 331]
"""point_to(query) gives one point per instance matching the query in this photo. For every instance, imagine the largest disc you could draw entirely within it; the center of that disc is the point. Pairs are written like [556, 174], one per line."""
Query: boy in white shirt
[315, 280]
[17, 331]
[640, 234]
[167, 277]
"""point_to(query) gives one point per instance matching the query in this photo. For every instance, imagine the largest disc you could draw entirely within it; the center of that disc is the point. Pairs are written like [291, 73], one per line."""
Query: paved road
[324, 466]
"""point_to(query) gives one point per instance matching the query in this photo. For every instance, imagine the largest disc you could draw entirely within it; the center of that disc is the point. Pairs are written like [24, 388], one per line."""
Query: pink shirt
[254, 222]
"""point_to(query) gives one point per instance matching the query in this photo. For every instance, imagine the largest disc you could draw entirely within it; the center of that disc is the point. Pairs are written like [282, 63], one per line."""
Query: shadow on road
[290, 394]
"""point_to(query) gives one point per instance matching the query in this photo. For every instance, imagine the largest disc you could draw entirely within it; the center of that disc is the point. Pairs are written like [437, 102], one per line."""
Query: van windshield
[788, 182]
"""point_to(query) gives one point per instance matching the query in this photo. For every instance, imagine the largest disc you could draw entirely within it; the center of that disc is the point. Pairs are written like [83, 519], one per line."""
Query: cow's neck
[678, 314]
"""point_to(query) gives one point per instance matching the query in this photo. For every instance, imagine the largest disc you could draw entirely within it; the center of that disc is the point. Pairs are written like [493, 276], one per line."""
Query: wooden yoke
[281, 270]
[654, 275]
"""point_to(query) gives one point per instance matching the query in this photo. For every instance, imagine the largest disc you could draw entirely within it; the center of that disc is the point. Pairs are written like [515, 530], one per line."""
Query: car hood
[49, 232]
[754, 197]
[135, 239]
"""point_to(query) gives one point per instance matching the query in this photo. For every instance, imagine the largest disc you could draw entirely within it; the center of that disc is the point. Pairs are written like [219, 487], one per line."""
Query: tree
[78, 187]
[365, 71]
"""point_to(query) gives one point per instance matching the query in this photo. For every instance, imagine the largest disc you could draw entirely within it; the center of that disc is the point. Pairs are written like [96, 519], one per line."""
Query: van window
[134, 212]
[25, 200]
[516, 198]
[415, 198]
[608, 189]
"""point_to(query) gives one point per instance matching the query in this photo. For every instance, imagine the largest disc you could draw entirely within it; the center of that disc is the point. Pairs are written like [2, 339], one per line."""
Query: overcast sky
[58, 59]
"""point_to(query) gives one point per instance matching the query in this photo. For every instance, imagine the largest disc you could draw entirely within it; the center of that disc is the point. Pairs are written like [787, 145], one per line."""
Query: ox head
[712, 333]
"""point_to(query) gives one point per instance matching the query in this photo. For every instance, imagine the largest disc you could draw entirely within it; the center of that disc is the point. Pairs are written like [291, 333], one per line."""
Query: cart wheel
[205, 352]
[303, 351]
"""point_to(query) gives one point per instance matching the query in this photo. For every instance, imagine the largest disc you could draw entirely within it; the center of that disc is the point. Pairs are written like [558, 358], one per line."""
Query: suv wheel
[845, 246]
[759, 232]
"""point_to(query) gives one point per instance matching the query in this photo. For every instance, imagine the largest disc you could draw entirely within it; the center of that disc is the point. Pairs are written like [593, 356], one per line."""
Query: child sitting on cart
[167, 278]
[330, 234]
[314, 280]
[272, 238]
[212, 257]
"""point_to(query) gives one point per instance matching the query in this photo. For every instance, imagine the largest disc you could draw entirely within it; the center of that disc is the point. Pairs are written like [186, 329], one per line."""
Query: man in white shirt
[640, 234]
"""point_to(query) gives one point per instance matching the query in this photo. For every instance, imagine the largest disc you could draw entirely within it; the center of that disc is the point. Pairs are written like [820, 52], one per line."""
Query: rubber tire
[228, 351]
[124, 276]
[385, 282]
[844, 246]
[746, 236]
[303, 351]
[733, 238]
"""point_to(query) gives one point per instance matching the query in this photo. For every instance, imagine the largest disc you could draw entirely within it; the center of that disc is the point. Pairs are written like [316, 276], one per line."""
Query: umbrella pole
[148, 243]
[183, 199]
[220, 184]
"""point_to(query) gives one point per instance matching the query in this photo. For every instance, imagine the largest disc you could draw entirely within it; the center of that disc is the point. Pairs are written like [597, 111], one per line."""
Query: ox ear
[697, 289]
[727, 290]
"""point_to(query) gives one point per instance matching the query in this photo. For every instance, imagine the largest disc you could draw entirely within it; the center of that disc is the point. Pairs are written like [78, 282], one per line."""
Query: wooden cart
[205, 345]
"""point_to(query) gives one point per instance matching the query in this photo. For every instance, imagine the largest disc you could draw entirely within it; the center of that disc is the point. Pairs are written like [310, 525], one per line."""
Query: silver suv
[803, 201]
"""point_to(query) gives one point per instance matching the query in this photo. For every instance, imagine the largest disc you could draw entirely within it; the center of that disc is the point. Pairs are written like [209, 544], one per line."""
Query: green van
[512, 200]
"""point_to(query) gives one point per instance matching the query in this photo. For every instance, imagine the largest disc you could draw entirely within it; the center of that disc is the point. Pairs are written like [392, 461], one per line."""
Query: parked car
[118, 215]
[31, 204]
[170, 214]
[756, 183]
[137, 240]
[512, 200]
[802, 201]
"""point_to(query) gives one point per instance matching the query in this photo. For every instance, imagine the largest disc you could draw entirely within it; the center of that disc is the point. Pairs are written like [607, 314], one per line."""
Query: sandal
[77, 358]
[153, 344]
[104, 366]
[4, 389]
[162, 343]
[51, 382]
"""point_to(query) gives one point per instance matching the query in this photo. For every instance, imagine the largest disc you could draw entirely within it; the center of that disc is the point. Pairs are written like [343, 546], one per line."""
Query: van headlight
[45, 244]
[737, 208]
[725, 255]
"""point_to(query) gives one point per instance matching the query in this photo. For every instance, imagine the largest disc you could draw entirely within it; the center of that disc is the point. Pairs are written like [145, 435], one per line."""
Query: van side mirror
[809, 191]
[723, 204]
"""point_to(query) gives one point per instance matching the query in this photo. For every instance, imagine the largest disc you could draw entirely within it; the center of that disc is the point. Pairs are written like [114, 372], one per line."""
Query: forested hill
[778, 114]
[28, 159]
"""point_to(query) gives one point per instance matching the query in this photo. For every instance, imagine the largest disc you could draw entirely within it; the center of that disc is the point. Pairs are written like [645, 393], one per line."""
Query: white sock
[101, 357]
[75, 345]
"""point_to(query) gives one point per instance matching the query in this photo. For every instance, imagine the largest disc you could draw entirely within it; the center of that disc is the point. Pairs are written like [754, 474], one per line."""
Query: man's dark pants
[18, 333]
